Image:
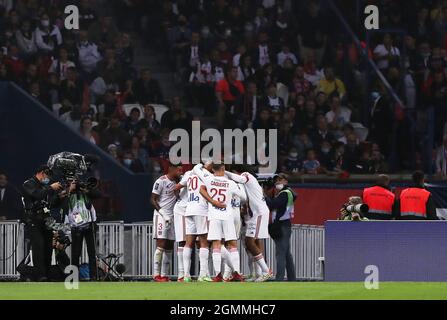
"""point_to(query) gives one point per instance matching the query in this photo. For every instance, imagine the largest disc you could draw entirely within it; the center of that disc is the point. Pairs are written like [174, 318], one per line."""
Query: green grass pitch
[221, 291]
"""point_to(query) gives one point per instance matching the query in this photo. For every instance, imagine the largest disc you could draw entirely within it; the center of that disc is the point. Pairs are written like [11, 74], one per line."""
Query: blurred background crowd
[261, 64]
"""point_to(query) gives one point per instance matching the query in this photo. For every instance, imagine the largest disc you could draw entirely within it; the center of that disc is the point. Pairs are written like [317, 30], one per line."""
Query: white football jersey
[237, 202]
[165, 188]
[255, 194]
[222, 189]
[183, 194]
[196, 204]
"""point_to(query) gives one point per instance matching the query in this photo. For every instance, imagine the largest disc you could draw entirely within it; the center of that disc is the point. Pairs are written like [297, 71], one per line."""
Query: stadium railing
[12, 248]
[134, 242]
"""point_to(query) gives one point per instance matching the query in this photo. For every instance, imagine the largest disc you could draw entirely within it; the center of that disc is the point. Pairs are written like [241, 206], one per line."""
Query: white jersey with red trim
[196, 203]
[223, 190]
[165, 188]
[182, 201]
[255, 194]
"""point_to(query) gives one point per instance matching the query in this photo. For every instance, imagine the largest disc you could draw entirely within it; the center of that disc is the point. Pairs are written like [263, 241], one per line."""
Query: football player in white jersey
[196, 218]
[180, 224]
[236, 206]
[163, 200]
[221, 225]
[257, 223]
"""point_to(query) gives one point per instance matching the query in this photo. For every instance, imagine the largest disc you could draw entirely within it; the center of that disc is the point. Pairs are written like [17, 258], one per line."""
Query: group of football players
[211, 209]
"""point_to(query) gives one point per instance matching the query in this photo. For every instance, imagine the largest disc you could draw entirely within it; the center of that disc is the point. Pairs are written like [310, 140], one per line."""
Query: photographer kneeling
[354, 210]
[81, 216]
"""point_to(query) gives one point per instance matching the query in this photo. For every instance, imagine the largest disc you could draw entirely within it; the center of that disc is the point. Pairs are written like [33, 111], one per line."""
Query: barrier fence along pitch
[307, 246]
[12, 248]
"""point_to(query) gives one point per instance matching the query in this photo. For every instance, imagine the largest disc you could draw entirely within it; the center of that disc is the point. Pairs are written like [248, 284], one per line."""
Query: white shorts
[258, 227]
[163, 230]
[179, 224]
[221, 229]
[196, 225]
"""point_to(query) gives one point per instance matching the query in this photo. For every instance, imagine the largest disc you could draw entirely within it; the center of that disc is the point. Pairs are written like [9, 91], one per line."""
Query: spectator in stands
[286, 54]
[25, 39]
[351, 153]
[132, 163]
[292, 165]
[321, 133]
[148, 89]
[441, 158]
[228, 90]
[326, 156]
[149, 122]
[312, 37]
[108, 68]
[35, 92]
[112, 150]
[247, 106]
[125, 54]
[61, 65]
[88, 53]
[272, 101]
[331, 85]
[72, 87]
[311, 165]
[14, 63]
[307, 117]
[246, 70]
[338, 116]
[87, 15]
[103, 32]
[86, 130]
[115, 134]
[48, 36]
[139, 153]
[386, 54]
[177, 117]
[132, 121]
[11, 207]
[299, 85]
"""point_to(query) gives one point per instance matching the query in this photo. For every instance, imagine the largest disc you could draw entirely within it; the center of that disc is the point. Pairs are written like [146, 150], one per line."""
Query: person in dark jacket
[39, 198]
[417, 203]
[282, 207]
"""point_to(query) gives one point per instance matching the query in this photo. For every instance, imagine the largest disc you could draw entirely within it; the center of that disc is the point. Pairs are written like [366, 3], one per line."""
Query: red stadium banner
[316, 206]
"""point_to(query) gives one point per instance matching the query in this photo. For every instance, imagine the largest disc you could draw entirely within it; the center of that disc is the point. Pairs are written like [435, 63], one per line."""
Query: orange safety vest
[413, 202]
[379, 200]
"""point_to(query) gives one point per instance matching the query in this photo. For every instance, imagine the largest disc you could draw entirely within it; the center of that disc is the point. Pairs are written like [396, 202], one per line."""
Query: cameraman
[39, 198]
[347, 215]
[81, 216]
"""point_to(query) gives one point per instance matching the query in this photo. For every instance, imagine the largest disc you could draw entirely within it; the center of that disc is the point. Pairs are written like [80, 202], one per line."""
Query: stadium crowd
[260, 64]
[286, 65]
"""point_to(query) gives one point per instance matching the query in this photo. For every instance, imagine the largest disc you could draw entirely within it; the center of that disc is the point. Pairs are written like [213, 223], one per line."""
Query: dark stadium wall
[30, 133]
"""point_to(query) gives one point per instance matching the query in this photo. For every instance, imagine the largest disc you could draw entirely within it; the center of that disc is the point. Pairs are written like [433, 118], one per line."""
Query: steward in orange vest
[416, 203]
[381, 201]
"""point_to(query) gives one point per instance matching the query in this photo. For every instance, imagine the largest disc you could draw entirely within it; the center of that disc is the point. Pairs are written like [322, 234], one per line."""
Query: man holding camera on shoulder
[39, 197]
[81, 216]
